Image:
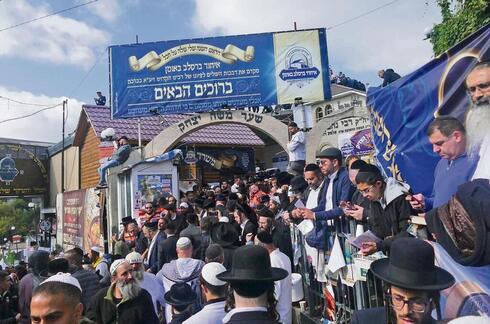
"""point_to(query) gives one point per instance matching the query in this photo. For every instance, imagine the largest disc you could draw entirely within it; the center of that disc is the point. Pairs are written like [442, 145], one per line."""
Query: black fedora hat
[411, 266]
[127, 220]
[251, 263]
[180, 294]
[298, 183]
[224, 234]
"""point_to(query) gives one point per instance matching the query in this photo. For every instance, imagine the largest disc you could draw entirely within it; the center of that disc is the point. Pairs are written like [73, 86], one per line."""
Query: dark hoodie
[38, 264]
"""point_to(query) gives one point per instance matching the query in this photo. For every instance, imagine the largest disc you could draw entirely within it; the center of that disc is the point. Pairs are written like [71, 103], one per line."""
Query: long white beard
[129, 290]
[139, 274]
[477, 127]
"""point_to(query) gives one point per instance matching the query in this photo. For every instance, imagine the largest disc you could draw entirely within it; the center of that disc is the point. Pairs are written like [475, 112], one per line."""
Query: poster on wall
[196, 75]
[92, 227]
[357, 143]
[73, 203]
[150, 188]
[81, 219]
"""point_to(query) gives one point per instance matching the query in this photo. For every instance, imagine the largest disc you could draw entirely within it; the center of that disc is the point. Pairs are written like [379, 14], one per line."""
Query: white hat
[183, 243]
[63, 278]
[95, 248]
[116, 265]
[210, 271]
[134, 257]
[184, 204]
[470, 319]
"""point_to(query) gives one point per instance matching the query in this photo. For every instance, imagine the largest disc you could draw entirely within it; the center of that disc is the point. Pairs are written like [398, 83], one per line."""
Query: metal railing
[348, 298]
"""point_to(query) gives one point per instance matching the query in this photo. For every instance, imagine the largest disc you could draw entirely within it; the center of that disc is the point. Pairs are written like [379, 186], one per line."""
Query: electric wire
[29, 115]
[48, 15]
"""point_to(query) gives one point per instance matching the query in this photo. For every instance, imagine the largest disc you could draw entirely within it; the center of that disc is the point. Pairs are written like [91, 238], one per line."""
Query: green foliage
[16, 213]
[460, 18]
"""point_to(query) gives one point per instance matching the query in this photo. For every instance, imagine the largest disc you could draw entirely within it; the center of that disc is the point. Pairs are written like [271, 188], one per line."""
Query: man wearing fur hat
[123, 301]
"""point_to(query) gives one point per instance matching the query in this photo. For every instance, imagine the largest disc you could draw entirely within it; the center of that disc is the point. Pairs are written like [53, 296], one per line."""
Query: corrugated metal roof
[223, 134]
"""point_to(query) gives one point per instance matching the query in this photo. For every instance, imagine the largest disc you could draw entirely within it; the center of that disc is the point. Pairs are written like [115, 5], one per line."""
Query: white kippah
[210, 271]
[183, 243]
[95, 248]
[63, 278]
[224, 219]
[134, 257]
[116, 265]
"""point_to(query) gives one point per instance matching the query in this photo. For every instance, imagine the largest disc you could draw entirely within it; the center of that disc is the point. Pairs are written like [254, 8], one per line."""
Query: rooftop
[223, 134]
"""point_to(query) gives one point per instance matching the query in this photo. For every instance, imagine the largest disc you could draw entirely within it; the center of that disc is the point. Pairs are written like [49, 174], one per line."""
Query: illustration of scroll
[153, 61]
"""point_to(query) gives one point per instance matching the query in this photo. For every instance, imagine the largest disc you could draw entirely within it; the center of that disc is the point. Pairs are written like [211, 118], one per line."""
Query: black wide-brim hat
[127, 220]
[411, 266]
[224, 234]
[180, 294]
[251, 263]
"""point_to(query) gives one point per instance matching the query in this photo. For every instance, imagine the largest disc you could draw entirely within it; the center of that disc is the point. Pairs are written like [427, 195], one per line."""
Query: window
[329, 109]
[319, 113]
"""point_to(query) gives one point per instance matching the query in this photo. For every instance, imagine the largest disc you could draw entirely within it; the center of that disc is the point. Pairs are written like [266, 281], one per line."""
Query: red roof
[224, 134]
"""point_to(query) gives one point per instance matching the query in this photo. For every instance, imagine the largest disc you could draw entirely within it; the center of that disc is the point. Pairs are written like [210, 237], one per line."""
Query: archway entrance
[173, 134]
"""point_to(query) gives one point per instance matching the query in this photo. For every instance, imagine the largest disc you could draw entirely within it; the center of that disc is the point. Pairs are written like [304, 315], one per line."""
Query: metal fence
[348, 298]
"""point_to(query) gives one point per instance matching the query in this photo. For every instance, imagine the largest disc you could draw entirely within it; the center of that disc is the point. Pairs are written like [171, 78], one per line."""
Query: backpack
[318, 237]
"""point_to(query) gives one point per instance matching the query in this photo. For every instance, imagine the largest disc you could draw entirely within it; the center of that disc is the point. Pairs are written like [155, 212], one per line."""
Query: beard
[139, 274]
[476, 125]
[129, 290]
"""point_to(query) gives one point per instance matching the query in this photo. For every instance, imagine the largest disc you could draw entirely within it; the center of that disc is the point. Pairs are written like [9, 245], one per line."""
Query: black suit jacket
[251, 317]
[167, 250]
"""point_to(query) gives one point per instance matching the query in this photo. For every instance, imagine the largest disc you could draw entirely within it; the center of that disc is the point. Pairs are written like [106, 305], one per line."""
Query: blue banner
[402, 111]
[186, 76]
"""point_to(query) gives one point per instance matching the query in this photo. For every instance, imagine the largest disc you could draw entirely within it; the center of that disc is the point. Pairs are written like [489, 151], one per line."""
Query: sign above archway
[186, 76]
[173, 134]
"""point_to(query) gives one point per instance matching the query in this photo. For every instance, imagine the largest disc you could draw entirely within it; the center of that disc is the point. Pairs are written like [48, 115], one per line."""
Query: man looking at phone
[389, 211]
[448, 138]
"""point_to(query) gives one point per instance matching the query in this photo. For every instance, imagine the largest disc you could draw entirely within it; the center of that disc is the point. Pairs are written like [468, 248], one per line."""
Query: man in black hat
[412, 285]
[181, 297]
[336, 187]
[225, 235]
[296, 149]
[281, 234]
[252, 280]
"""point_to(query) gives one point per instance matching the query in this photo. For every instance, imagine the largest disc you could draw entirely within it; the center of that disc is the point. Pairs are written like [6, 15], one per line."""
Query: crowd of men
[226, 254]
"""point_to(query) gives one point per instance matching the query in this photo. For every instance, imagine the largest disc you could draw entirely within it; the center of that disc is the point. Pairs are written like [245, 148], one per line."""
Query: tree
[16, 213]
[460, 18]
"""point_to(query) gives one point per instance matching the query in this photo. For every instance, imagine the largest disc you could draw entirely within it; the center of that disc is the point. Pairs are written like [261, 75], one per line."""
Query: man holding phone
[123, 149]
[448, 138]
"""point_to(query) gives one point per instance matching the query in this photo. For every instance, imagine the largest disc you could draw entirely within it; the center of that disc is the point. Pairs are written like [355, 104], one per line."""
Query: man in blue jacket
[119, 157]
[336, 187]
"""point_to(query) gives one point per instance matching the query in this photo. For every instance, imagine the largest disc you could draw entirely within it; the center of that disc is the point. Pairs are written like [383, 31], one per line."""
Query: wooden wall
[89, 158]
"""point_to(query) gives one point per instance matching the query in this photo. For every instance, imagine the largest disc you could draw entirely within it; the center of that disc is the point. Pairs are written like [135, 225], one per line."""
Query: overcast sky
[64, 56]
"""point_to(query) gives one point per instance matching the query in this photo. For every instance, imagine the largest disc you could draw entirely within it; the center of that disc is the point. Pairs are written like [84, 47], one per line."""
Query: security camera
[108, 134]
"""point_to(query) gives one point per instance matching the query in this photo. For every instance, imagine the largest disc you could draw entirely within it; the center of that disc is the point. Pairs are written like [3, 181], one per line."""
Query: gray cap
[330, 153]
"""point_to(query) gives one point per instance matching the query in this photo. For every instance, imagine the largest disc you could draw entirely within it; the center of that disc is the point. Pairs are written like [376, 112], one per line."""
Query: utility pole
[65, 104]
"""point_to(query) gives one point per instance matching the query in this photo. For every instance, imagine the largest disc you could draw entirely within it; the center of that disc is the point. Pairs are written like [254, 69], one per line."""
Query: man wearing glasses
[411, 285]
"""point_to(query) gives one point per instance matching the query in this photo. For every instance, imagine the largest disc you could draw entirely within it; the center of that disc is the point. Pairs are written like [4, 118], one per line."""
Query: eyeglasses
[365, 191]
[481, 87]
[417, 304]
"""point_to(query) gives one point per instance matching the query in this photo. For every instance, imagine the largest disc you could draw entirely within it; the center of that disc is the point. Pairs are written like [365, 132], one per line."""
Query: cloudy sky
[65, 56]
